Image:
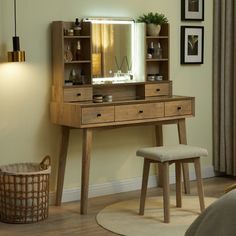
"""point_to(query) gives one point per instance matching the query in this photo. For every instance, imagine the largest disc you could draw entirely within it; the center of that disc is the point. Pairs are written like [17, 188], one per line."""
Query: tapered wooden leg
[166, 192]
[87, 143]
[159, 142]
[185, 168]
[146, 168]
[183, 140]
[62, 163]
[199, 183]
[159, 175]
[178, 184]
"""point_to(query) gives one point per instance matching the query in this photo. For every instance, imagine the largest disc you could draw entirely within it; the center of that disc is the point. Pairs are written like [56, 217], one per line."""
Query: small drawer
[162, 89]
[139, 111]
[77, 94]
[92, 115]
[178, 108]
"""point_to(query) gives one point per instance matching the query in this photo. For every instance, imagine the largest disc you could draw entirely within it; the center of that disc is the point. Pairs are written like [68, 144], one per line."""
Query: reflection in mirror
[112, 51]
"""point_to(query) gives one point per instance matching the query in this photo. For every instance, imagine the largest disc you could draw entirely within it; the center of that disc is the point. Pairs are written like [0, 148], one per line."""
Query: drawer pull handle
[179, 108]
[140, 111]
[158, 90]
[99, 115]
[78, 94]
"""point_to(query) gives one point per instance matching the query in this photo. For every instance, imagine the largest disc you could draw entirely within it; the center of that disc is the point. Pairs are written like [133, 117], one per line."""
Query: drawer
[92, 115]
[77, 94]
[178, 108]
[157, 89]
[139, 111]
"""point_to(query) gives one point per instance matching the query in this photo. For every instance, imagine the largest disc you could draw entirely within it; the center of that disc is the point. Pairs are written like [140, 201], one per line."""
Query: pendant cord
[15, 15]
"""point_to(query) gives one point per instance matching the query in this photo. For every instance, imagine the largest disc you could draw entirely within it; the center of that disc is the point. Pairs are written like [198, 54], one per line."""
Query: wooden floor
[66, 220]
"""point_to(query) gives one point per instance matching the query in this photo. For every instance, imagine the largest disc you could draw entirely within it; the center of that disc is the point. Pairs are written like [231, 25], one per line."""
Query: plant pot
[153, 30]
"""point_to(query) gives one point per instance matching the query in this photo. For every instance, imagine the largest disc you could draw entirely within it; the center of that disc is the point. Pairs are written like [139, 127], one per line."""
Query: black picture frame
[192, 45]
[192, 10]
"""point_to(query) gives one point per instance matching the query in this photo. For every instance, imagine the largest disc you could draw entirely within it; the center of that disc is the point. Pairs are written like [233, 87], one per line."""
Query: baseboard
[122, 186]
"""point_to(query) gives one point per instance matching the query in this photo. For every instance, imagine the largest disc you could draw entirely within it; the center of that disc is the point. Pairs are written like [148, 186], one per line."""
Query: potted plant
[153, 22]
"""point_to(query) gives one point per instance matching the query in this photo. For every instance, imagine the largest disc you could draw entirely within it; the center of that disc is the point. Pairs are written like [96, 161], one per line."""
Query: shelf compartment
[156, 59]
[157, 37]
[77, 37]
[78, 62]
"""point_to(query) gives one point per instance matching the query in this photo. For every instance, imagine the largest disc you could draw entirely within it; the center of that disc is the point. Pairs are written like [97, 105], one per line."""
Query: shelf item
[78, 52]
[68, 56]
[77, 27]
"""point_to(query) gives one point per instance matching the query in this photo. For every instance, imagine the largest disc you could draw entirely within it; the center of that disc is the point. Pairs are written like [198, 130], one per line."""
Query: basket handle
[45, 162]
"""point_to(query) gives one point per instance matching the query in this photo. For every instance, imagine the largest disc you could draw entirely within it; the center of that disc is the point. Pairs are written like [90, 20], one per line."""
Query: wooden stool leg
[183, 140]
[146, 168]
[166, 192]
[159, 142]
[197, 167]
[178, 184]
[159, 175]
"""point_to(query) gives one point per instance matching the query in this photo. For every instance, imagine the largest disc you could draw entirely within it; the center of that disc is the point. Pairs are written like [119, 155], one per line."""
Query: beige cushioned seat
[171, 153]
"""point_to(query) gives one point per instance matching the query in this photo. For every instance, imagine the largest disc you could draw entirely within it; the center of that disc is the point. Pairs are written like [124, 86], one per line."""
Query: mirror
[112, 51]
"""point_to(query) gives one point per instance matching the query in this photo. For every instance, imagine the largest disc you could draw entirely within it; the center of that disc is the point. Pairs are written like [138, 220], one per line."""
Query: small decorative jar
[70, 32]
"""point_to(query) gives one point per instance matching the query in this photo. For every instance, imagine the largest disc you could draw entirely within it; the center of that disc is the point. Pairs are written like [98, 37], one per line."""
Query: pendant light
[16, 55]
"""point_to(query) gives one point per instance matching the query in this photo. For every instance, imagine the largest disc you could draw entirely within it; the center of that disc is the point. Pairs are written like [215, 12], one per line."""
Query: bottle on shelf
[78, 54]
[68, 56]
[150, 51]
[69, 79]
[158, 51]
[82, 77]
[77, 27]
[76, 76]
[73, 75]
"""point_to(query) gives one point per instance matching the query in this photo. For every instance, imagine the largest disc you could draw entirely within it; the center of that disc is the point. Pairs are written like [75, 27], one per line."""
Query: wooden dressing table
[134, 103]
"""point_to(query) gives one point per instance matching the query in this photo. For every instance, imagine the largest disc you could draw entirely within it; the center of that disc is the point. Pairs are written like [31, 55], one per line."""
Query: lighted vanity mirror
[113, 57]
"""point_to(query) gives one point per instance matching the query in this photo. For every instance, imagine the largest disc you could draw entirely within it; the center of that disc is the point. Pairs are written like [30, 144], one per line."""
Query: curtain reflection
[102, 50]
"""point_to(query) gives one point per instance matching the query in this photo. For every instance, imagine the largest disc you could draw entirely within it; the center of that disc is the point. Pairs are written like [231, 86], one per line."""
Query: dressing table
[135, 99]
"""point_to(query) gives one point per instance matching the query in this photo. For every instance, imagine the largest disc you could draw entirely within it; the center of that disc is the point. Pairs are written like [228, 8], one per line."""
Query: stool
[165, 156]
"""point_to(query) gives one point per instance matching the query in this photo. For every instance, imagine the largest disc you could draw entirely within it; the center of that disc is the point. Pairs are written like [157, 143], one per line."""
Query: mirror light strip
[109, 21]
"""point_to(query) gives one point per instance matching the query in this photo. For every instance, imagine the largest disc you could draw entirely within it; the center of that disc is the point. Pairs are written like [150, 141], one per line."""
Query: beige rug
[122, 217]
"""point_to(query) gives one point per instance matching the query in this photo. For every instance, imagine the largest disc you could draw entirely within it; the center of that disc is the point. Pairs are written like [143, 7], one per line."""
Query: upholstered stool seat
[165, 156]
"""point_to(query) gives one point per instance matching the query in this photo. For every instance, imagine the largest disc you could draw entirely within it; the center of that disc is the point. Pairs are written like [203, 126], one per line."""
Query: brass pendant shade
[16, 55]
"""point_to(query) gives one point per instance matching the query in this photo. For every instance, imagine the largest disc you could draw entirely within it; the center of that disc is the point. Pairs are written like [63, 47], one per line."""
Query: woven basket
[24, 191]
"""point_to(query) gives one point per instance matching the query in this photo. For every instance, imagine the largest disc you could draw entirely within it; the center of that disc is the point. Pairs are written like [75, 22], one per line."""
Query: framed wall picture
[192, 10]
[192, 44]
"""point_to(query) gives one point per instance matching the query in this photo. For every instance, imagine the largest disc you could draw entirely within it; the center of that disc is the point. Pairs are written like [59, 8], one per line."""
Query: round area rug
[122, 217]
